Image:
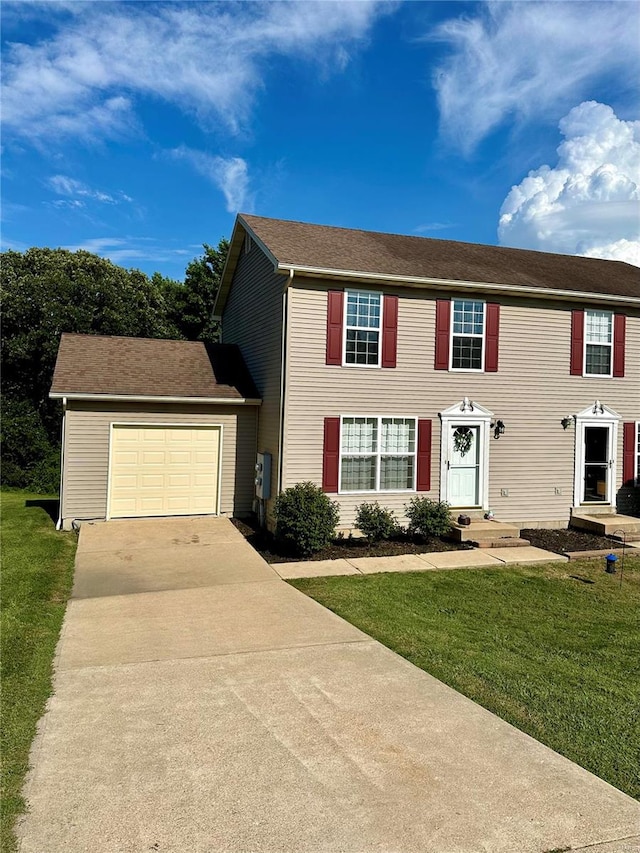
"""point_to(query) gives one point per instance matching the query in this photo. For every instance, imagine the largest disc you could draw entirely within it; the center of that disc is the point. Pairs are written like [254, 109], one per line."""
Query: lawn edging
[37, 576]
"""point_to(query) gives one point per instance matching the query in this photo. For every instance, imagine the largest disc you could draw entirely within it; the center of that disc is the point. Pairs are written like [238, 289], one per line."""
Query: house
[385, 366]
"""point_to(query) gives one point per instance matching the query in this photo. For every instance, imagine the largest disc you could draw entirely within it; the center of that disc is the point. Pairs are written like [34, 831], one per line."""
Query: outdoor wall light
[498, 429]
[566, 422]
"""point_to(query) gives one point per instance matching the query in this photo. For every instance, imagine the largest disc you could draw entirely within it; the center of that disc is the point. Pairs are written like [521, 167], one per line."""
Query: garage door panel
[151, 481]
[153, 457]
[179, 481]
[164, 470]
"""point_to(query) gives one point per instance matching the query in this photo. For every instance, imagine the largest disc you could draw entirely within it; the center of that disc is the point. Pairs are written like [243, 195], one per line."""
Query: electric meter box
[263, 476]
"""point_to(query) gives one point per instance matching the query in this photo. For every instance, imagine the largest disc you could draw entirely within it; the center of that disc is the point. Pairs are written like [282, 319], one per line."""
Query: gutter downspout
[64, 421]
[283, 356]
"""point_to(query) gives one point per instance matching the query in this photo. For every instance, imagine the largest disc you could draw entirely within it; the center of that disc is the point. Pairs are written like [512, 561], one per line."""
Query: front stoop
[607, 524]
[489, 534]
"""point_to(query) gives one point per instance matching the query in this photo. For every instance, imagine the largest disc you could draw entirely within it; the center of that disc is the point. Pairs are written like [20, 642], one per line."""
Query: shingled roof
[323, 250]
[95, 365]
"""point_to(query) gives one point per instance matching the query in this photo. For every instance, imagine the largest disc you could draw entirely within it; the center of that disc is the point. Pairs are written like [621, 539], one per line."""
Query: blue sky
[137, 130]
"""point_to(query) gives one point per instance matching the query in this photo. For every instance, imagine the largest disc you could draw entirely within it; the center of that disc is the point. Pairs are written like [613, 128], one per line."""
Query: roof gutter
[136, 398]
[420, 281]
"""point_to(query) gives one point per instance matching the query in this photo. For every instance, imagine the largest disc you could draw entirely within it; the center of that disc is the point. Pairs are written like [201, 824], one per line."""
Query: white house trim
[466, 413]
[598, 415]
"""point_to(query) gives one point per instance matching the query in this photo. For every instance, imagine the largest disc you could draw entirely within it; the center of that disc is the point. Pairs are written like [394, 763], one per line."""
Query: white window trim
[597, 415]
[466, 415]
[484, 338]
[346, 363]
[586, 342]
[379, 455]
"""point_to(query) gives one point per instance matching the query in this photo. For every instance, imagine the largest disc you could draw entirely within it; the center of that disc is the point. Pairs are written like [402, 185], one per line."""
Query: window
[638, 453]
[467, 335]
[362, 328]
[377, 454]
[598, 339]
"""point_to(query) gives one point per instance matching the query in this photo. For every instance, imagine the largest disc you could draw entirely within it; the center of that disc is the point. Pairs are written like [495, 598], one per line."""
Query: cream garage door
[163, 470]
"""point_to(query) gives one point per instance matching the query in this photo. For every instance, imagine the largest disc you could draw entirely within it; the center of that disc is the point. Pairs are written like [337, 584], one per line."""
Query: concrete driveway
[202, 704]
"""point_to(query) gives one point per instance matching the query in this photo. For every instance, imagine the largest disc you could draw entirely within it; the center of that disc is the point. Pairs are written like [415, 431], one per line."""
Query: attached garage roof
[326, 251]
[95, 366]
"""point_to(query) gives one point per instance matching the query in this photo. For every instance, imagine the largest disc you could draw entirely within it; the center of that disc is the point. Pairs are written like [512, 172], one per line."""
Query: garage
[164, 470]
[154, 428]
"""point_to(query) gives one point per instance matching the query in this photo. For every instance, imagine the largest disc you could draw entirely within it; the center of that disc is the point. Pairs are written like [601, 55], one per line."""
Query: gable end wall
[252, 319]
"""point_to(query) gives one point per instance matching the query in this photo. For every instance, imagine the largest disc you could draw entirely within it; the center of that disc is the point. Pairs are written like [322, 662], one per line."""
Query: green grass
[555, 655]
[37, 572]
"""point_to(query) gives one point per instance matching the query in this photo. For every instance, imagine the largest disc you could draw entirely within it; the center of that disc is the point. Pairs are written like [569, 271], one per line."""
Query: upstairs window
[362, 328]
[598, 343]
[467, 335]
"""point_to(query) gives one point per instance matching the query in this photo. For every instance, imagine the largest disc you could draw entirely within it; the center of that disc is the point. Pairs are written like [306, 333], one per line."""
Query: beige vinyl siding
[252, 319]
[86, 455]
[531, 393]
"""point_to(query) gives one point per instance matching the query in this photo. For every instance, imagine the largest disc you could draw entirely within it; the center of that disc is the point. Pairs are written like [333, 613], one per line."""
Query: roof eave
[427, 282]
[144, 398]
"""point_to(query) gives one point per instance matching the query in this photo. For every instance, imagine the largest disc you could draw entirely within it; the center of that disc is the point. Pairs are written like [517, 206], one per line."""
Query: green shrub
[428, 518]
[306, 519]
[376, 522]
[44, 477]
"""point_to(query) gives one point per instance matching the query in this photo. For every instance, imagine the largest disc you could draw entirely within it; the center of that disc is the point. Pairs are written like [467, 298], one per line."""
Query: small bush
[428, 518]
[44, 477]
[306, 519]
[376, 522]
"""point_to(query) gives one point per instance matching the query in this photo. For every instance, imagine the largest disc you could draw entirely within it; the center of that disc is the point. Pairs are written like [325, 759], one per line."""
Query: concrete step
[628, 537]
[506, 542]
[605, 524]
[484, 530]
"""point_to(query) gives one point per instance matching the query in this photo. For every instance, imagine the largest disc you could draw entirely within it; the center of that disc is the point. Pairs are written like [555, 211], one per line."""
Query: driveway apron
[203, 704]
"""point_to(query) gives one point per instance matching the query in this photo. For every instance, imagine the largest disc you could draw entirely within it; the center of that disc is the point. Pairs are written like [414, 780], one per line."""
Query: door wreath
[462, 440]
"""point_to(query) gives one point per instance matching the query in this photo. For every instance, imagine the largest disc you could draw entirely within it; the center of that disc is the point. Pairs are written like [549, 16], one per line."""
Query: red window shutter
[619, 328]
[492, 338]
[331, 455]
[335, 309]
[577, 342]
[389, 331]
[443, 317]
[423, 474]
[628, 452]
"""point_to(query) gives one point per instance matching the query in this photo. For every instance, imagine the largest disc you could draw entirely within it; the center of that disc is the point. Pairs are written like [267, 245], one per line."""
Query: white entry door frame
[460, 476]
[596, 456]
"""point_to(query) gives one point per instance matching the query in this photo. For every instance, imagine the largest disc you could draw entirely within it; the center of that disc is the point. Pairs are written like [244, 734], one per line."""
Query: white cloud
[77, 191]
[230, 175]
[589, 203]
[130, 249]
[206, 59]
[521, 60]
[428, 227]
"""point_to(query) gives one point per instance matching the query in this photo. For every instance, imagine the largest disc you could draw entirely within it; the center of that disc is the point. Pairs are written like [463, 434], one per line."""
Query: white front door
[595, 455]
[464, 458]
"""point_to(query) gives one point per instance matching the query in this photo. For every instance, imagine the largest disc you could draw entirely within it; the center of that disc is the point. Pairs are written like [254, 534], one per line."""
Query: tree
[190, 305]
[46, 292]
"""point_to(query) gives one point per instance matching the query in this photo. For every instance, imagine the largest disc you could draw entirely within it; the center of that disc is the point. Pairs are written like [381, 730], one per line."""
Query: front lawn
[37, 572]
[553, 649]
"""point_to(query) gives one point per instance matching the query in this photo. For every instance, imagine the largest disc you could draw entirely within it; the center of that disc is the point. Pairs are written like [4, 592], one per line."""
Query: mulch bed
[563, 541]
[348, 548]
[559, 541]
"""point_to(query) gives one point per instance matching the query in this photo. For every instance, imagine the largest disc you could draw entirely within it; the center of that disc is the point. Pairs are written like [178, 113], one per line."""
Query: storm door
[597, 463]
[463, 464]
